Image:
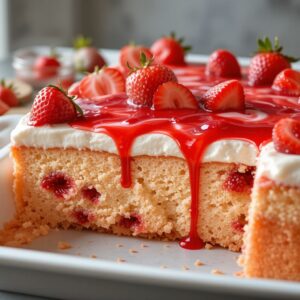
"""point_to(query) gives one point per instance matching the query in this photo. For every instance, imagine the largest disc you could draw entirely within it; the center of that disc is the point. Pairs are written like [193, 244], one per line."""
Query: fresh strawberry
[46, 66]
[287, 82]
[286, 136]
[3, 107]
[102, 82]
[225, 96]
[142, 83]
[172, 95]
[73, 90]
[86, 58]
[223, 63]
[130, 55]
[267, 63]
[169, 50]
[7, 94]
[51, 106]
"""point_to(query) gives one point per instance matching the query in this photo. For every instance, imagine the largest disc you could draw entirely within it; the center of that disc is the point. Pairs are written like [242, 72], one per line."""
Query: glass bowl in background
[24, 65]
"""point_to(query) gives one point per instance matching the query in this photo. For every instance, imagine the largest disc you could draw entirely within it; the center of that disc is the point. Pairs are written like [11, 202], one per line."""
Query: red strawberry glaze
[193, 130]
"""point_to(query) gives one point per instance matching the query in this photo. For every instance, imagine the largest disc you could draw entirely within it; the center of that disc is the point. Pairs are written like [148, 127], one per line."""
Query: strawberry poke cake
[165, 149]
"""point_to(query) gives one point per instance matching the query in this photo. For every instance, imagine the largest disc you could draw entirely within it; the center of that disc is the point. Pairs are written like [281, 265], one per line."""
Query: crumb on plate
[198, 263]
[216, 272]
[63, 245]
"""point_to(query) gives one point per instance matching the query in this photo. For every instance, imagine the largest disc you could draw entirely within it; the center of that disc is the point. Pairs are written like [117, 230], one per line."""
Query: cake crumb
[239, 274]
[119, 245]
[167, 246]
[208, 246]
[133, 251]
[63, 245]
[94, 256]
[185, 268]
[216, 272]
[120, 260]
[144, 245]
[27, 224]
[163, 267]
[198, 263]
[241, 260]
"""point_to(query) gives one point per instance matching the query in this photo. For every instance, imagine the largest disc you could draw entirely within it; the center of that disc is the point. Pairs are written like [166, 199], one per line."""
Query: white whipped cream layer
[279, 167]
[154, 144]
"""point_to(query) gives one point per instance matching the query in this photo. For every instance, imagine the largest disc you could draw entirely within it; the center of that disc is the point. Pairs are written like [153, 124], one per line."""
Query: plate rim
[135, 273]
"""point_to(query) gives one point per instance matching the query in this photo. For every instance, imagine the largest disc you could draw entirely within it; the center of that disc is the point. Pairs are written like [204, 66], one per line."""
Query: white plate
[161, 269]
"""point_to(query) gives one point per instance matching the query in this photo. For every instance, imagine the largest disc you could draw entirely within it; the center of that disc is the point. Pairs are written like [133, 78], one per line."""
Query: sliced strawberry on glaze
[286, 136]
[52, 106]
[102, 82]
[172, 95]
[3, 107]
[130, 56]
[287, 83]
[225, 96]
[223, 63]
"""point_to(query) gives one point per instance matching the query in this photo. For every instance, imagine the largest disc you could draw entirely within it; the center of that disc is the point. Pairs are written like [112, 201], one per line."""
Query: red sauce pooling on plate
[193, 130]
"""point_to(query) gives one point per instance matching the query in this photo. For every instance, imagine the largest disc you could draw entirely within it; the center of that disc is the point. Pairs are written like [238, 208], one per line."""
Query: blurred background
[206, 24]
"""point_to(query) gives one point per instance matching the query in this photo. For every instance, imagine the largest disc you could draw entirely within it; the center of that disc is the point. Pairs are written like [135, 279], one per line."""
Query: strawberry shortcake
[168, 150]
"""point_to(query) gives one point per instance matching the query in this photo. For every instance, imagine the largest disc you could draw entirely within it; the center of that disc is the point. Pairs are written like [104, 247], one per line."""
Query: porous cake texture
[81, 189]
[272, 239]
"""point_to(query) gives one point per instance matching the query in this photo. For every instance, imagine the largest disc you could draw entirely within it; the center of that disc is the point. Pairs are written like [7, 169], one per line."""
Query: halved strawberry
[286, 136]
[172, 95]
[225, 96]
[51, 106]
[102, 82]
[223, 63]
[130, 56]
[287, 83]
[3, 107]
[73, 90]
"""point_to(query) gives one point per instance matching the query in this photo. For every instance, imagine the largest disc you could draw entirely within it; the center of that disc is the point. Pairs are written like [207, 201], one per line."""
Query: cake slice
[272, 241]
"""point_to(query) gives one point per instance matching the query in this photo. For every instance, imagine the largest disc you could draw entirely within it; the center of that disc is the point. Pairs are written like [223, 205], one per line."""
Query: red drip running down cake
[169, 152]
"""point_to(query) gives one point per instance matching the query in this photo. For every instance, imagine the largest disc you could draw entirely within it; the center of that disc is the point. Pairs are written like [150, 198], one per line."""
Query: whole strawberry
[223, 63]
[86, 58]
[7, 94]
[130, 55]
[142, 83]
[267, 63]
[51, 106]
[169, 50]
[47, 66]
